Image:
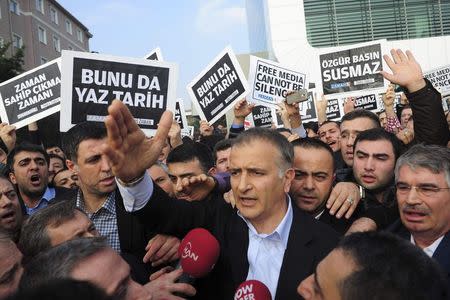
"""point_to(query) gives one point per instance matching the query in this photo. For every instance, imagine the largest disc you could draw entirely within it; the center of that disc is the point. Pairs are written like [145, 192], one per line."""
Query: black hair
[81, 132]
[191, 151]
[25, 147]
[310, 143]
[388, 267]
[361, 113]
[377, 134]
[221, 146]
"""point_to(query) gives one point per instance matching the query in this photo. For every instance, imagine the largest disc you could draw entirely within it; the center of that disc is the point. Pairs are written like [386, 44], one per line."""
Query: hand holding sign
[406, 71]
[241, 110]
[8, 135]
[130, 152]
[175, 135]
[349, 104]
[389, 97]
[321, 106]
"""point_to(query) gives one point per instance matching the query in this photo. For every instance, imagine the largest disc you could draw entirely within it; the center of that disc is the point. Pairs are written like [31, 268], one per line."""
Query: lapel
[238, 248]
[299, 258]
[442, 253]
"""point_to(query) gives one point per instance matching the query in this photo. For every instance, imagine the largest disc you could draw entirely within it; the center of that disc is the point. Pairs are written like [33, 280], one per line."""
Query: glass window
[17, 41]
[14, 7]
[43, 60]
[79, 35]
[54, 15]
[42, 34]
[40, 5]
[56, 44]
[341, 22]
[68, 26]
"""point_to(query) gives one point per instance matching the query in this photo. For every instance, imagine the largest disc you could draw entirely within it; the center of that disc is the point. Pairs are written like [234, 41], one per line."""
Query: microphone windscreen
[198, 251]
[252, 290]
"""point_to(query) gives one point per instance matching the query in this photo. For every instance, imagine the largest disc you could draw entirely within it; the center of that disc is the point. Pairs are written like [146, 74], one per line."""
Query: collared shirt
[430, 249]
[104, 219]
[48, 196]
[266, 251]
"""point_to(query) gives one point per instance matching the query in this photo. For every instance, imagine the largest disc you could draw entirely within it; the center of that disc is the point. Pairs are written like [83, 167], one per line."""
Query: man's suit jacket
[309, 242]
[61, 193]
[442, 253]
[133, 238]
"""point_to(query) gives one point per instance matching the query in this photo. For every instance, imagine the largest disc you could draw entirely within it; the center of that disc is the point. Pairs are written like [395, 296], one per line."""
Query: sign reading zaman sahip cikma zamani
[91, 81]
[32, 95]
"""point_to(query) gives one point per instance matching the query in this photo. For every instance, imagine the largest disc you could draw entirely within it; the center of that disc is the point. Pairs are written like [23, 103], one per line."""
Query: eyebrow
[9, 273]
[182, 175]
[377, 155]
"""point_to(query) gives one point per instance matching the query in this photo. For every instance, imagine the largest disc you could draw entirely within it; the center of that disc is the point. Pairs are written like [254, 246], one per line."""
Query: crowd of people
[352, 209]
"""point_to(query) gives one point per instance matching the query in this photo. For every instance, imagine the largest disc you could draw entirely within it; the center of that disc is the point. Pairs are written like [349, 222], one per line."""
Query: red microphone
[198, 251]
[252, 290]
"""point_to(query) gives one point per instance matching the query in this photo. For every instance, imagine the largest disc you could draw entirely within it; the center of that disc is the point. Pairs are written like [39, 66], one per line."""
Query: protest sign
[368, 102]
[91, 81]
[218, 87]
[188, 131]
[270, 82]
[155, 54]
[308, 109]
[440, 79]
[31, 96]
[353, 69]
[333, 110]
[180, 114]
[262, 116]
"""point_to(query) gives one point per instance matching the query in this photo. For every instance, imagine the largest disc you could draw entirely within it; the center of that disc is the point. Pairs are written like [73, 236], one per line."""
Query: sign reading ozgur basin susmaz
[31, 96]
[90, 82]
[353, 69]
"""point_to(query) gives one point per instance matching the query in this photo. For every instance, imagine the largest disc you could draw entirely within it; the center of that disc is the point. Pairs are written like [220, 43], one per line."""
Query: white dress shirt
[430, 249]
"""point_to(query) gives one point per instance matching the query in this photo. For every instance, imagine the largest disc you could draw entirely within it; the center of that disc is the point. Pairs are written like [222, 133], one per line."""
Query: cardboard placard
[32, 95]
[354, 69]
[308, 109]
[180, 114]
[155, 54]
[218, 87]
[269, 81]
[262, 116]
[440, 79]
[91, 81]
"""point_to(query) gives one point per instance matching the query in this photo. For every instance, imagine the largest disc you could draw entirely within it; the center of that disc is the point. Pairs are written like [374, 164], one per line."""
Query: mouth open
[9, 216]
[35, 179]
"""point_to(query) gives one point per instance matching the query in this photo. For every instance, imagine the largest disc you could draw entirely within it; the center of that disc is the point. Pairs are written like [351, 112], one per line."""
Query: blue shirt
[48, 196]
[266, 251]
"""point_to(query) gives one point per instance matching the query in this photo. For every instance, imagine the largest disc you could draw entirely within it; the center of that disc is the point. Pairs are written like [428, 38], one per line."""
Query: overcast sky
[190, 33]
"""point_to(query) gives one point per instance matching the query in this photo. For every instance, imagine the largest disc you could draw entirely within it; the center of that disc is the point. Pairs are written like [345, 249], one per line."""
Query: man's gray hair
[59, 262]
[431, 157]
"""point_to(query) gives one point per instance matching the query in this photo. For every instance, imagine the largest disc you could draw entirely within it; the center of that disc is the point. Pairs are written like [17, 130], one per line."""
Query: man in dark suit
[98, 197]
[264, 238]
[422, 177]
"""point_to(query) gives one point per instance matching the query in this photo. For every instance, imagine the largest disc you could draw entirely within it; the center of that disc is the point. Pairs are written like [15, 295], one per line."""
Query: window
[79, 35]
[54, 15]
[0, 12]
[341, 22]
[68, 26]
[56, 44]
[2, 42]
[42, 34]
[17, 41]
[40, 5]
[43, 60]
[14, 7]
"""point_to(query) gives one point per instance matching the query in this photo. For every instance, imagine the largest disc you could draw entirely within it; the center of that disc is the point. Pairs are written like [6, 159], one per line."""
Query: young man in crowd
[29, 172]
[261, 174]
[11, 215]
[222, 155]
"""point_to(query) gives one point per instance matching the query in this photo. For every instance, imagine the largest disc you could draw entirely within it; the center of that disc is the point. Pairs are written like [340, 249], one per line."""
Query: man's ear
[71, 165]
[212, 171]
[289, 175]
[12, 177]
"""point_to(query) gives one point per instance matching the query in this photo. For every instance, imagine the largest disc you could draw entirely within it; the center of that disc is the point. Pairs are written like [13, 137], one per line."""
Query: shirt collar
[430, 249]
[109, 204]
[49, 194]
[280, 233]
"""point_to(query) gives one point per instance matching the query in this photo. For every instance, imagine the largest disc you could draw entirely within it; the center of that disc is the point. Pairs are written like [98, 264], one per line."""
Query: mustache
[407, 208]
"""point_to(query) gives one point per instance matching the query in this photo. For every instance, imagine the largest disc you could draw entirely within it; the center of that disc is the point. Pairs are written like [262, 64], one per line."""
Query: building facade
[300, 29]
[44, 27]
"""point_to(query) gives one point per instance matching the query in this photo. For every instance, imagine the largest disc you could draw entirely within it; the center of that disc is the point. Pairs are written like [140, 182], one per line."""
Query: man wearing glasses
[423, 194]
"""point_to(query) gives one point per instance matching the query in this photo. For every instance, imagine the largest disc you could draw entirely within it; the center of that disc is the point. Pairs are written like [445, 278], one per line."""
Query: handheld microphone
[252, 290]
[198, 251]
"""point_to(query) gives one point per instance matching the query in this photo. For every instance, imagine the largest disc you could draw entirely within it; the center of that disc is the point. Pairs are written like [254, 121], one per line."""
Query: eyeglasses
[424, 190]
